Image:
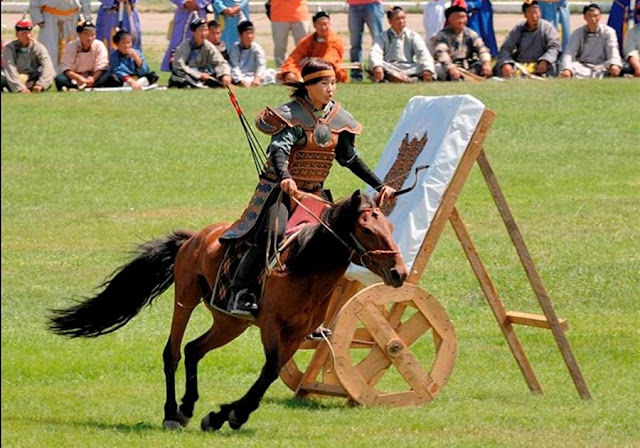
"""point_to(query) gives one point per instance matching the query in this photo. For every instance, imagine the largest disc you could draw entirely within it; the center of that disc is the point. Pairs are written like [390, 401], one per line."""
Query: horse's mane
[315, 249]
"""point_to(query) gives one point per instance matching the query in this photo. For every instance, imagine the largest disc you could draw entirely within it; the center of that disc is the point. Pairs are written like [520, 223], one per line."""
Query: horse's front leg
[238, 412]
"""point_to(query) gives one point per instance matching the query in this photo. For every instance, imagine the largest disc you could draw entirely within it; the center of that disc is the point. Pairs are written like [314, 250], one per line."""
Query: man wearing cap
[459, 46]
[324, 43]
[632, 47]
[85, 61]
[248, 61]
[57, 20]
[179, 28]
[400, 54]
[27, 65]
[593, 50]
[198, 63]
[532, 45]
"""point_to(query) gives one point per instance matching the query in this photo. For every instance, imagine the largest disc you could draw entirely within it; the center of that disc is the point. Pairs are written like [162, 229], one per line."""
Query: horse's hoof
[234, 423]
[171, 424]
[211, 422]
[183, 419]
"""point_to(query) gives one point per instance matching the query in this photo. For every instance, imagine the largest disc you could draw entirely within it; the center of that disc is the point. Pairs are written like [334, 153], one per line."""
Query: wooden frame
[304, 383]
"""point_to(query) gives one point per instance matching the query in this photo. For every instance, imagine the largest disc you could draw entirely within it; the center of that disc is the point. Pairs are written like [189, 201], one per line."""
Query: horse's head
[373, 244]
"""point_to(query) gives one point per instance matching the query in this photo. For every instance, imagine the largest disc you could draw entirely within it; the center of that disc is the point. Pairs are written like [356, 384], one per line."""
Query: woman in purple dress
[118, 14]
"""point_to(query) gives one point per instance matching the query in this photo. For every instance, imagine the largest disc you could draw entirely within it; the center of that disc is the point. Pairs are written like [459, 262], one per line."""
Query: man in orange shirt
[287, 16]
[323, 43]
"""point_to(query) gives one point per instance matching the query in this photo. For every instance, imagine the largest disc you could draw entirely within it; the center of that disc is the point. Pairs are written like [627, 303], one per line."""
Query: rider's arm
[347, 156]
[280, 148]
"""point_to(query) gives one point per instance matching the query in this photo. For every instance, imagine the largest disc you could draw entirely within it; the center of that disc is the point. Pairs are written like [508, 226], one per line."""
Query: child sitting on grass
[127, 66]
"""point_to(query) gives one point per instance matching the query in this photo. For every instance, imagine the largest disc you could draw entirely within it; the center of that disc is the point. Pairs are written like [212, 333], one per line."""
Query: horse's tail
[125, 292]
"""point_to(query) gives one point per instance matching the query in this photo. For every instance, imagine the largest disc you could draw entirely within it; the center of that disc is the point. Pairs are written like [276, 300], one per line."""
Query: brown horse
[294, 302]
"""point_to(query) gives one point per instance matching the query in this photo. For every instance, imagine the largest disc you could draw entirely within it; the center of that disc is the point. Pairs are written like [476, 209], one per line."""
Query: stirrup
[320, 333]
[243, 303]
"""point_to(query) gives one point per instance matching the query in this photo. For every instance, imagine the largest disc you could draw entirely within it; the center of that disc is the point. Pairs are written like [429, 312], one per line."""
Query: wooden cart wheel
[388, 322]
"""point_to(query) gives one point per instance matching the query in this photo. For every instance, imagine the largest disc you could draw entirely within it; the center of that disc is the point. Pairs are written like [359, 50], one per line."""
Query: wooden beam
[534, 277]
[534, 320]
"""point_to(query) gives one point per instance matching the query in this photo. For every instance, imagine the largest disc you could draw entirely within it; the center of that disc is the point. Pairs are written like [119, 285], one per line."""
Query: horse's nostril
[395, 274]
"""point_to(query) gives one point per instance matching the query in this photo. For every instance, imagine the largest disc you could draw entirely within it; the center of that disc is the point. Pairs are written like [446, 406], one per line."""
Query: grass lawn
[86, 176]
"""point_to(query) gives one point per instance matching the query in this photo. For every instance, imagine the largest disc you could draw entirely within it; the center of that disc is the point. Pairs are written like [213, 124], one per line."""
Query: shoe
[320, 333]
[244, 303]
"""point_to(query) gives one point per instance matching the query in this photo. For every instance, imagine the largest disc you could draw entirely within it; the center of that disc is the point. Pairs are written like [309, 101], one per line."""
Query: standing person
[324, 43]
[632, 47]
[458, 46]
[370, 12]
[593, 49]
[198, 63]
[481, 21]
[186, 12]
[400, 54]
[248, 62]
[27, 65]
[85, 62]
[127, 65]
[108, 21]
[229, 14]
[433, 19]
[557, 12]
[57, 20]
[619, 17]
[533, 44]
[215, 37]
[287, 17]
[307, 134]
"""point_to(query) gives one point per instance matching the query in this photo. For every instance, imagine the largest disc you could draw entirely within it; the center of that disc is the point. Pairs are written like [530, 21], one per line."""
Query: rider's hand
[290, 187]
[385, 193]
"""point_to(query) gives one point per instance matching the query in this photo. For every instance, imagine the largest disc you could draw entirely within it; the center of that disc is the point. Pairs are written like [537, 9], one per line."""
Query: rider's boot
[243, 300]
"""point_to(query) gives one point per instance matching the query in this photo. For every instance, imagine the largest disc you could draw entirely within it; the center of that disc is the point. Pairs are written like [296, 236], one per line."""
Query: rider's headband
[320, 74]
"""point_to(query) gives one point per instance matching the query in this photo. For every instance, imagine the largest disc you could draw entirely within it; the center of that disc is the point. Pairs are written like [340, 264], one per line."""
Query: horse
[294, 302]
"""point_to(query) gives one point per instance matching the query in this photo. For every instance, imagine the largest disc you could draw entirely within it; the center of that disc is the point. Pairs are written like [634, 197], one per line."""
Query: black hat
[119, 35]
[319, 15]
[589, 7]
[245, 25]
[197, 23]
[85, 25]
[528, 4]
[393, 11]
[213, 24]
[451, 9]
[24, 25]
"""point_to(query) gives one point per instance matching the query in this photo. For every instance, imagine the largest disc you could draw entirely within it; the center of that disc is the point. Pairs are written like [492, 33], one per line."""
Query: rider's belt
[59, 12]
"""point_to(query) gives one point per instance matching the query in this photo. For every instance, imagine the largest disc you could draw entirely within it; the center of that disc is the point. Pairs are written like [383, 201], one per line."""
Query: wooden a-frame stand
[307, 384]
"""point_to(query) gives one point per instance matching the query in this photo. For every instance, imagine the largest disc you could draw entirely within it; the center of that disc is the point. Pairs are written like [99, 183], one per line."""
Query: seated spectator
[198, 63]
[85, 62]
[248, 62]
[27, 65]
[400, 54]
[324, 43]
[459, 46]
[632, 48]
[593, 50]
[532, 45]
[127, 65]
[215, 37]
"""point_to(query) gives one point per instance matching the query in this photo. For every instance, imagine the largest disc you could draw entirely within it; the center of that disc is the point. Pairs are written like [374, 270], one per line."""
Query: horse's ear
[356, 199]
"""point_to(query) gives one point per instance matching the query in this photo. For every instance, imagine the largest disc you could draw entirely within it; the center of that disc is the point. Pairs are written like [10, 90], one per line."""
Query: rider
[306, 135]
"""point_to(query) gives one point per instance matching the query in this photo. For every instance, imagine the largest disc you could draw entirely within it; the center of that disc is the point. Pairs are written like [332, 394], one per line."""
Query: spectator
[361, 12]
[632, 47]
[27, 66]
[287, 16]
[459, 46]
[593, 49]
[532, 44]
[128, 66]
[57, 20]
[481, 21]
[108, 21]
[186, 12]
[229, 14]
[198, 63]
[619, 18]
[248, 62]
[85, 61]
[324, 43]
[215, 34]
[557, 12]
[400, 54]
[433, 19]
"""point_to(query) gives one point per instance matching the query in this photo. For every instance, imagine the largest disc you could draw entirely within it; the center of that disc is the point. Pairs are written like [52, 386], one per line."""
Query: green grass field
[87, 176]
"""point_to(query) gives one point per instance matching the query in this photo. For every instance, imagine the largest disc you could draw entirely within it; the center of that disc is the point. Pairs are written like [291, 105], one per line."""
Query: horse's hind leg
[224, 330]
[187, 298]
